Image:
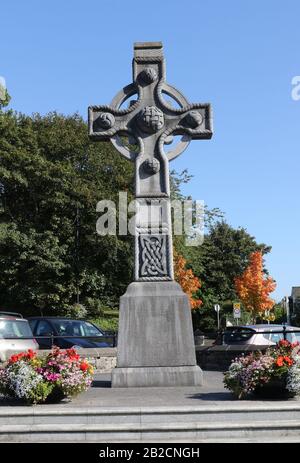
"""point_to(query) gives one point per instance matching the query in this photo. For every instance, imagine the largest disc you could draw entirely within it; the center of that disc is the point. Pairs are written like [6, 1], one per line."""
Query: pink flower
[52, 376]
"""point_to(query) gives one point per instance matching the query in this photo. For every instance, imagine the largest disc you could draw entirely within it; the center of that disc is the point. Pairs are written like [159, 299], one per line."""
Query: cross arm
[192, 121]
[106, 121]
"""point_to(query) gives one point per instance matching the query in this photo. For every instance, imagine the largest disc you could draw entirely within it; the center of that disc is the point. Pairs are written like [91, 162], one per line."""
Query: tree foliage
[51, 258]
[187, 280]
[222, 257]
[51, 178]
[254, 287]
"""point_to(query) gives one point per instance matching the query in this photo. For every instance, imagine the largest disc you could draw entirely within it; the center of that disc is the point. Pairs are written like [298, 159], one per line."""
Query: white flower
[23, 380]
[293, 376]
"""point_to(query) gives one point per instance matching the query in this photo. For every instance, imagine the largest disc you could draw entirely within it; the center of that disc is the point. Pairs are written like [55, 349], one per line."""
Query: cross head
[150, 121]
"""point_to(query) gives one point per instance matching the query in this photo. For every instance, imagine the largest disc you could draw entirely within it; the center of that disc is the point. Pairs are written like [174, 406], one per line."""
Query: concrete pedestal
[155, 341]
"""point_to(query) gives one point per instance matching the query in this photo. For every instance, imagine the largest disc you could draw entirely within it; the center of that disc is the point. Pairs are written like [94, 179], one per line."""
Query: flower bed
[274, 374]
[58, 375]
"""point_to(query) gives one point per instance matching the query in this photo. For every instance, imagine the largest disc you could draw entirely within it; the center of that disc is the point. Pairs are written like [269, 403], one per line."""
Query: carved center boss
[151, 121]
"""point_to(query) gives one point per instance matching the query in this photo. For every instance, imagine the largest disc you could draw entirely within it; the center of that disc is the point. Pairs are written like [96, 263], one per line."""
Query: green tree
[223, 255]
[52, 177]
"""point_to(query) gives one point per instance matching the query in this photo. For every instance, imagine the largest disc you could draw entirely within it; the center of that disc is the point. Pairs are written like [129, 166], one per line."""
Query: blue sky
[239, 55]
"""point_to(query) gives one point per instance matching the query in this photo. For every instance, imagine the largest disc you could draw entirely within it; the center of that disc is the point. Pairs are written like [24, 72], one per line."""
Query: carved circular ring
[130, 90]
[148, 75]
[152, 166]
[151, 119]
[106, 120]
[194, 119]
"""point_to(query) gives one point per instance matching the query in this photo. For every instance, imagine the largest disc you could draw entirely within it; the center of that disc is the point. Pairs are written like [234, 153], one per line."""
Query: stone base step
[149, 432]
[215, 423]
[228, 412]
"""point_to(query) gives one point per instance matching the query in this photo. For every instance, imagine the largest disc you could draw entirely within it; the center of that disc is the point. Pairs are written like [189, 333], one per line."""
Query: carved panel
[151, 119]
[153, 256]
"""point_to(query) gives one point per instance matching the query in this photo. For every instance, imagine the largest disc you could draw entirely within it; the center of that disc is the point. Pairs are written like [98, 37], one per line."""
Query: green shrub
[106, 323]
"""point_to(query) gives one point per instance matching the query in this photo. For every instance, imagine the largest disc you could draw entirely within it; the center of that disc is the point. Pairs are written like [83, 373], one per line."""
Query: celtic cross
[151, 121]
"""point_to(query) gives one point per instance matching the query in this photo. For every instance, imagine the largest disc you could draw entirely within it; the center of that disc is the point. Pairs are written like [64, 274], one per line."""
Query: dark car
[66, 333]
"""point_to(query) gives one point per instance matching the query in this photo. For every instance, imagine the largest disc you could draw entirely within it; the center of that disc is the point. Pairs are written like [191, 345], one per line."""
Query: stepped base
[229, 422]
[157, 376]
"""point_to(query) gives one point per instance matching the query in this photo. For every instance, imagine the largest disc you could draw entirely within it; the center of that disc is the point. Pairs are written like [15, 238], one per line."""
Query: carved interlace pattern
[153, 255]
[151, 118]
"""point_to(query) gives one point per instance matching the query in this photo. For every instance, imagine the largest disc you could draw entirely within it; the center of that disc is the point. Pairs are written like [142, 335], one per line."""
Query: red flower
[284, 343]
[284, 360]
[72, 354]
[279, 361]
[84, 366]
[16, 357]
[30, 354]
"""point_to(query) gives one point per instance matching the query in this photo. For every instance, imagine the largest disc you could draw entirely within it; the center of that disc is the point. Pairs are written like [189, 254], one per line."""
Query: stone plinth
[155, 342]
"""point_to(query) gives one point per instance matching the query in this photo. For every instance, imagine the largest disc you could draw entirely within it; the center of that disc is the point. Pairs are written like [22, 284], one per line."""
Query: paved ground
[102, 394]
[179, 414]
[211, 393]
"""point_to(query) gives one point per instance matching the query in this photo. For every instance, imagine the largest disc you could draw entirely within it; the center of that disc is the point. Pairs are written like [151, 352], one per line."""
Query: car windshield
[76, 328]
[15, 329]
[237, 335]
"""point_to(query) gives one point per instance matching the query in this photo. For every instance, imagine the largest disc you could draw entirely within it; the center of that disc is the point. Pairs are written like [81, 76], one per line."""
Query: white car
[259, 335]
[15, 335]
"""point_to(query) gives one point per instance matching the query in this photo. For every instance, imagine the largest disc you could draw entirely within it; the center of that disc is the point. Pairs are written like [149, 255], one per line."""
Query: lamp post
[217, 309]
[285, 305]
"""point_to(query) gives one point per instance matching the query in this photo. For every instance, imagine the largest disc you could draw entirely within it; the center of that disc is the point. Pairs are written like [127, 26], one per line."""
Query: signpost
[237, 311]
[217, 309]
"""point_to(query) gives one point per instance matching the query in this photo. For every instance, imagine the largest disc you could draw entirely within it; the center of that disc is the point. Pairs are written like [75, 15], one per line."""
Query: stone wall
[103, 359]
[220, 357]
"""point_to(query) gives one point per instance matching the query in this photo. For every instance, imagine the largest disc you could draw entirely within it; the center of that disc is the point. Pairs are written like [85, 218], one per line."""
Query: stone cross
[151, 121]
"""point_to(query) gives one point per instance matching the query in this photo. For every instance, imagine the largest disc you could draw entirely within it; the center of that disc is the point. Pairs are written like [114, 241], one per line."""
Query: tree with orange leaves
[253, 287]
[187, 280]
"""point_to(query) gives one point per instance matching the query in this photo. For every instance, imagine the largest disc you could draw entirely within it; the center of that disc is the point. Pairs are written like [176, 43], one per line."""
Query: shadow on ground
[4, 402]
[212, 396]
[101, 383]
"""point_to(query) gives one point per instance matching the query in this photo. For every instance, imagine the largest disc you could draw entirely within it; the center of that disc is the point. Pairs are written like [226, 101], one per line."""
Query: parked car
[15, 335]
[258, 335]
[66, 333]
